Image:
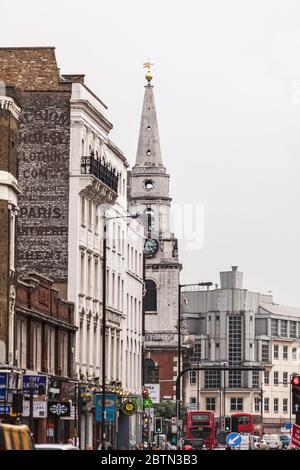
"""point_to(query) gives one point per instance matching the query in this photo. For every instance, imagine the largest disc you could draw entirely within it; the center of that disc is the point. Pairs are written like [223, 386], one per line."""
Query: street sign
[288, 425]
[148, 403]
[37, 381]
[5, 410]
[50, 432]
[296, 435]
[234, 439]
[3, 385]
[39, 409]
[154, 392]
[59, 409]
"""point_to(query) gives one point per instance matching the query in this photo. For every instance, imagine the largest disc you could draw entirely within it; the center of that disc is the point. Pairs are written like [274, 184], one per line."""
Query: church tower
[149, 195]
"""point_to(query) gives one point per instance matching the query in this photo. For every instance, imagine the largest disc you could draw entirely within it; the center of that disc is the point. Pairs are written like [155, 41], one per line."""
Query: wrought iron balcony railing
[101, 170]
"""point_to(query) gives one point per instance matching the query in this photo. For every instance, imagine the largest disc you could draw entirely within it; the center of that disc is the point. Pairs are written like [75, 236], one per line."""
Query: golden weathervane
[148, 74]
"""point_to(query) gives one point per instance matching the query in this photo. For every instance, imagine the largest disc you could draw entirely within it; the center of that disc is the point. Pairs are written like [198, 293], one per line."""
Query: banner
[37, 382]
[110, 407]
[3, 384]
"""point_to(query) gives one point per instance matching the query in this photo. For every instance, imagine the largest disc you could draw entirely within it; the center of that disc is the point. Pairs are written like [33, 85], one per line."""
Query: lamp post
[180, 286]
[31, 391]
[103, 412]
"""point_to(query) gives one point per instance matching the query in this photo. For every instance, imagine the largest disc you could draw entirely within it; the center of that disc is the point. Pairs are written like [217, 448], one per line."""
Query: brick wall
[44, 143]
[39, 303]
[166, 365]
[37, 294]
[8, 142]
[30, 68]
[43, 159]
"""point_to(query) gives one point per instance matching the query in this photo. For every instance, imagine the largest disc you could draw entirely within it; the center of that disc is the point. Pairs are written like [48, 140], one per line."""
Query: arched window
[150, 296]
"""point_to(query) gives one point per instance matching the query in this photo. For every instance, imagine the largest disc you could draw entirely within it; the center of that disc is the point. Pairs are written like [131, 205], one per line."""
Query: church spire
[148, 151]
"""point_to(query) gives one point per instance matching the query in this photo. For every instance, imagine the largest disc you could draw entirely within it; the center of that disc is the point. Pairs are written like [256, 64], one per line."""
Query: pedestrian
[70, 441]
[88, 447]
[106, 446]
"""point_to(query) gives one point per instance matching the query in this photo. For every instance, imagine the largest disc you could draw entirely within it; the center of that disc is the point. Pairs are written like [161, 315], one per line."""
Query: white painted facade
[9, 191]
[89, 199]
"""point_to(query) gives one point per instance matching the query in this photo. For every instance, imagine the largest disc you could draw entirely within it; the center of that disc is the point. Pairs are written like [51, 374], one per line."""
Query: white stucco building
[236, 327]
[9, 191]
[98, 186]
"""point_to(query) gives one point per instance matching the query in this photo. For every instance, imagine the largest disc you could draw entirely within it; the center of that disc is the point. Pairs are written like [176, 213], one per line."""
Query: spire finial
[148, 74]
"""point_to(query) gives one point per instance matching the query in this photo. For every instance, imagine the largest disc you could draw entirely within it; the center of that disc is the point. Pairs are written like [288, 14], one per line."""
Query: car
[197, 444]
[285, 440]
[55, 447]
[15, 437]
[272, 441]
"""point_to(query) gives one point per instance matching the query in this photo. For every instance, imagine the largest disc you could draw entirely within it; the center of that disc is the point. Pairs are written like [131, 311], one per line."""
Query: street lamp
[180, 286]
[103, 413]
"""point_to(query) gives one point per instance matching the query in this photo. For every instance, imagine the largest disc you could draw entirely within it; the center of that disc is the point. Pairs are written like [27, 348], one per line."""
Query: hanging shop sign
[59, 409]
[3, 385]
[110, 407]
[39, 409]
[38, 383]
[129, 407]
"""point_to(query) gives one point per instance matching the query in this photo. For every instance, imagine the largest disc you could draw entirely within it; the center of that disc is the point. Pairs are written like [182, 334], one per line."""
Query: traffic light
[158, 425]
[146, 419]
[227, 424]
[296, 394]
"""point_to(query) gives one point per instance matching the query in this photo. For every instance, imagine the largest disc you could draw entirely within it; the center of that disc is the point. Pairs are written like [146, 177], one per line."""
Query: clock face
[151, 247]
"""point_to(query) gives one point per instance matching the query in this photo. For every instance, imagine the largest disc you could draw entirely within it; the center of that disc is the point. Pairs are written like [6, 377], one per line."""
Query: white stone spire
[148, 151]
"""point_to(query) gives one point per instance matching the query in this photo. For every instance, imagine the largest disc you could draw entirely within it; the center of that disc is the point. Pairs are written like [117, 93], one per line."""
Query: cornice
[7, 103]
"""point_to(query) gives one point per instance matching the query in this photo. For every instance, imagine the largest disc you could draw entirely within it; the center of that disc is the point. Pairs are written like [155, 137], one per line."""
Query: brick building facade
[69, 172]
[44, 344]
[43, 157]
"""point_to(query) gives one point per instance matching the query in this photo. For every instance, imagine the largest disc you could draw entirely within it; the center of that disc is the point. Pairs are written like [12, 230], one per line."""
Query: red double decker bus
[200, 429]
[246, 423]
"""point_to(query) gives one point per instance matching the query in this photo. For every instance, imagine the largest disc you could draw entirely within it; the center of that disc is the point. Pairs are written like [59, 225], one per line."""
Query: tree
[167, 409]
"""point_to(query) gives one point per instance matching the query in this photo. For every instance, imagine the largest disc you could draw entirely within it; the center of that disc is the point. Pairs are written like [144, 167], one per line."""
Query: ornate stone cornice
[97, 191]
[7, 103]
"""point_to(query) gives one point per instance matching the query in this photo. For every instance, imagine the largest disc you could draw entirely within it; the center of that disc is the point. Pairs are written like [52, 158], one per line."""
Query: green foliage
[167, 409]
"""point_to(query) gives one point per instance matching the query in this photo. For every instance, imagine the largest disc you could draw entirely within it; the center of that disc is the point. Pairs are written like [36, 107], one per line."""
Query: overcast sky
[227, 88]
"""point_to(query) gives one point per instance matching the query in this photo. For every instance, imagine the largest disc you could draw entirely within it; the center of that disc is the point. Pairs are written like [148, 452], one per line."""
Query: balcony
[101, 170]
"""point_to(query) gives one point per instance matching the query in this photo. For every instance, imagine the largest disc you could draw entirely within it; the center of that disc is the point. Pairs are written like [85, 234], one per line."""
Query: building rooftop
[280, 310]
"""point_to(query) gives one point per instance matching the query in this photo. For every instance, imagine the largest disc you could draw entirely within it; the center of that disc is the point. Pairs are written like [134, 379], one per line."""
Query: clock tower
[149, 195]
